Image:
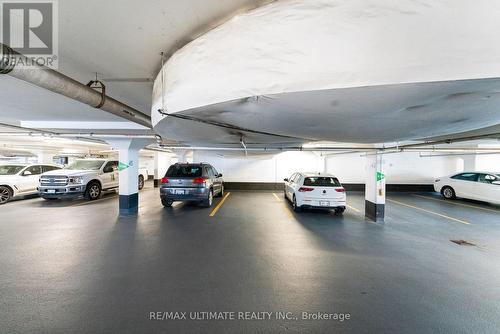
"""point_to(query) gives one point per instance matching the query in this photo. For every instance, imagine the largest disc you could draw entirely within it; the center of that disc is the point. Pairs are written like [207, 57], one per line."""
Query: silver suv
[191, 182]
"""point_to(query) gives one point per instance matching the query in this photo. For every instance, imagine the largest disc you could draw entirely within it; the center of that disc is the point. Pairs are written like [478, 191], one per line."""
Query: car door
[217, 180]
[109, 177]
[465, 185]
[288, 186]
[28, 179]
[294, 184]
[489, 188]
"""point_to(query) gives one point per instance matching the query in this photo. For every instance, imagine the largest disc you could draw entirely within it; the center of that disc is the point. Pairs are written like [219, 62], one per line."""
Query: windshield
[10, 169]
[184, 171]
[86, 165]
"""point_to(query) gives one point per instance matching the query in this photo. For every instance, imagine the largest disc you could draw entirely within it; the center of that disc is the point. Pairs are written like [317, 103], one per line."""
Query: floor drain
[462, 242]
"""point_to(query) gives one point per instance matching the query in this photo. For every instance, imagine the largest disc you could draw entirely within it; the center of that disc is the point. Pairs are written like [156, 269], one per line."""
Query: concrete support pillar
[128, 152]
[470, 162]
[375, 188]
[46, 157]
[162, 162]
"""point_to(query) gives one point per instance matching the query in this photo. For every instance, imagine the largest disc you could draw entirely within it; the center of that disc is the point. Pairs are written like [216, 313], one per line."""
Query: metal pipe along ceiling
[59, 83]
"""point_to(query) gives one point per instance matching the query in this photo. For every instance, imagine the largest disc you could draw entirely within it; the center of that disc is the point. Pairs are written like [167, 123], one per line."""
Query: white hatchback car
[315, 191]
[21, 179]
[481, 186]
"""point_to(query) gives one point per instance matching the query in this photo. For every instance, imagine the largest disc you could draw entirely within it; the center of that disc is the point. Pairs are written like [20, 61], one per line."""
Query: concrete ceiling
[117, 39]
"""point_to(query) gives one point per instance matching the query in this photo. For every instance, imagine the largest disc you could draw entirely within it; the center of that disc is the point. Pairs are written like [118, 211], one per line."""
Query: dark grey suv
[191, 182]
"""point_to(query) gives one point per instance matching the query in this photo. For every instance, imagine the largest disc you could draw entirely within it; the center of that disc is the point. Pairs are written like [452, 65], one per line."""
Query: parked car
[84, 177]
[21, 179]
[481, 186]
[315, 191]
[191, 182]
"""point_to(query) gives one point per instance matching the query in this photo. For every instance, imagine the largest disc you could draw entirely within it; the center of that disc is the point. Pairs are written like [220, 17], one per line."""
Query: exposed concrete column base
[375, 188]
[129, 204]
[374, 212]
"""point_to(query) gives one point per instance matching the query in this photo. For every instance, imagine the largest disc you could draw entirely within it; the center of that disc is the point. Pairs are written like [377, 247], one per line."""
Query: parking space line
[276, 196]
[353, 208]
[455, 203]
[431, 212]
[214, 211]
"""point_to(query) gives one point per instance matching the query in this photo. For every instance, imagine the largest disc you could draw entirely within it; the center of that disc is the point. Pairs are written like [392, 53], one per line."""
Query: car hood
[7, 177]
[70, 172]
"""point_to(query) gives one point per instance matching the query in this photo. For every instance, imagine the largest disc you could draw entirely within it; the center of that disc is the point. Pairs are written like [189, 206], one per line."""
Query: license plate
[51, 191]
[324, 203]
[179, 192]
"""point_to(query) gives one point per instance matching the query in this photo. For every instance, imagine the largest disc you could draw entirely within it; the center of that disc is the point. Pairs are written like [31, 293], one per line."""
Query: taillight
[305, 189]
[164, 180]
[340, 190]
[199, 180]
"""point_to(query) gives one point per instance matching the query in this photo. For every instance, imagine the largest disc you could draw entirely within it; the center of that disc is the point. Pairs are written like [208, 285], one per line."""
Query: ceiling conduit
[57, 82]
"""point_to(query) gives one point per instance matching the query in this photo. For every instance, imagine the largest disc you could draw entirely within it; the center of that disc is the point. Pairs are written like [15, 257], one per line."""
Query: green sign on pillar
[122, 166]
[380, 176]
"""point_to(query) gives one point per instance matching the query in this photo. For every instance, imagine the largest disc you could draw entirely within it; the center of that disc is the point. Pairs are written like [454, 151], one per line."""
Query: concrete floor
[74, 267]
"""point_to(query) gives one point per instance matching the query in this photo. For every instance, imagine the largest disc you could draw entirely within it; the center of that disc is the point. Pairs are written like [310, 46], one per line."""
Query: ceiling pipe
[59, 83]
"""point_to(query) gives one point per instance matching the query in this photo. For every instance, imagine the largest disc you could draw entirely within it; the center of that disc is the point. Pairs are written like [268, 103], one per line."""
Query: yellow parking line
[455, 203]
[219, 205]
[353, 208]
[431, 212]
[279, 199]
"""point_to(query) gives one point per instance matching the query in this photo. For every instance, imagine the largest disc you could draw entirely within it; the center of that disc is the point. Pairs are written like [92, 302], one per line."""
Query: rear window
[184, 171]
[322, 182]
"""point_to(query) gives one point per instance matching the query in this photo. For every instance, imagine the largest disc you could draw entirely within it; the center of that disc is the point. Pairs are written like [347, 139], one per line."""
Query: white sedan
[481, 186]
[21, 179]
[315, 191]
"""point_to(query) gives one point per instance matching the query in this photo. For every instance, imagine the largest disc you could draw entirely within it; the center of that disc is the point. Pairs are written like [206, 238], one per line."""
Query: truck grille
[48, 180]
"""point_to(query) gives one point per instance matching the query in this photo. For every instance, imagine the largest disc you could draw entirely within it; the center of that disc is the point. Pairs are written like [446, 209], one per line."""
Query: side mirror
[27, 173]
[286, 180]
[496, 183]
[220, 175]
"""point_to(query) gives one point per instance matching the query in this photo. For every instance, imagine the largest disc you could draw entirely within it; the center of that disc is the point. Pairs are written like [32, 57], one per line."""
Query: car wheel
[167, 202]
[208, 202]
[448, 193]
[93, 191]
[5, 194]
[339, 211]
[296, 208]
[141, 182]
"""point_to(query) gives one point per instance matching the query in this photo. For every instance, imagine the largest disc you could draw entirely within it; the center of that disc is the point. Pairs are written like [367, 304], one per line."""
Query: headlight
[77, 180]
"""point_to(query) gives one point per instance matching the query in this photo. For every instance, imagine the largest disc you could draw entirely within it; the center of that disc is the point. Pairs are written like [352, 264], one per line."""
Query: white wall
[399, 168]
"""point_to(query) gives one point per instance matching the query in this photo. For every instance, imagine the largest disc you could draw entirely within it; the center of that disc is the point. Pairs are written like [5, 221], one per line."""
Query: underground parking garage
[249, 167]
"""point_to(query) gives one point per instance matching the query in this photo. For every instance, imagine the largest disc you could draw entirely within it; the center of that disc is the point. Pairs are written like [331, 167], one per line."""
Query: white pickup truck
[84, 177]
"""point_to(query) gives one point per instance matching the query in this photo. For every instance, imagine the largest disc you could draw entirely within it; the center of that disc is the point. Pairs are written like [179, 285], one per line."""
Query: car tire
[93, 191]
[5, 194]
[339, 211]
[141, 182]
[296, 208]
[209, 201]
[448, 192]
[167, 203]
